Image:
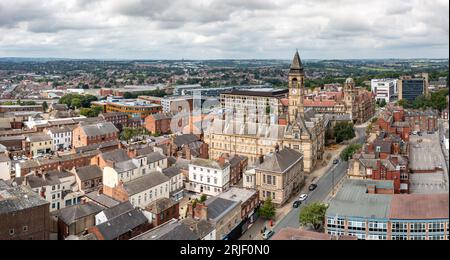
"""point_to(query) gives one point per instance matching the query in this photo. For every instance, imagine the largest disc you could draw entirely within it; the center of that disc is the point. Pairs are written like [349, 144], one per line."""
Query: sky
[224, 29]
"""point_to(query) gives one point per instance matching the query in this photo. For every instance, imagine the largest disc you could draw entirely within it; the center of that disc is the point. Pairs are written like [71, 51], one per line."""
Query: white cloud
[205, 29]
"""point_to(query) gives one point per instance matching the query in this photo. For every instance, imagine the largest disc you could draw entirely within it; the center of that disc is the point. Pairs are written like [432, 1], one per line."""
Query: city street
[324, 187]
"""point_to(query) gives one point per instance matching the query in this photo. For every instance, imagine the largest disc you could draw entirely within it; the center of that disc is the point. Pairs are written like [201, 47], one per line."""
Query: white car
[303, 197]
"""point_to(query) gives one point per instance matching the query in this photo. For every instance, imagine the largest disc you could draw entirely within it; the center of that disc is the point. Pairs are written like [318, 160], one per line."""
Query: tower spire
[296, 65]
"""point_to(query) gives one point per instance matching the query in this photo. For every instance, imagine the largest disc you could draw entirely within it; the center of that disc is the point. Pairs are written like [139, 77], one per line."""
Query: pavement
[332, 177]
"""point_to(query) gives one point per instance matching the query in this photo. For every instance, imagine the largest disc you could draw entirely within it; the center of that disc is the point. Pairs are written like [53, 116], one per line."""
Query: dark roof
[172, 230]
[144, 183]
[122, 224]
[162, 116]
[280, 161]
[89, 172]
[274, 93]
[71, 214]
[171, 171]
[102, 199]
[218, 206]
[13, 199]
[116, 156]
[296, 65]
[161, 205]
[154, 157]
[95, 147]
[185, 139]
[118, 210]
[144, 151]
[200, 227]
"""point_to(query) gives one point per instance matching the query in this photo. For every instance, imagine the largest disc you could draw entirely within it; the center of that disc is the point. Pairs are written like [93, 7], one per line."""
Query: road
[324, 187]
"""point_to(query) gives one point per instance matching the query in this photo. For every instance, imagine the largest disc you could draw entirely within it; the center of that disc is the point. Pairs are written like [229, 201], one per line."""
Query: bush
[343, 131]
[349, 151]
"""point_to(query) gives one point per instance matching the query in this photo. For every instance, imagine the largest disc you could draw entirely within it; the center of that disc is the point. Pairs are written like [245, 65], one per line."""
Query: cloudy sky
[212, 29]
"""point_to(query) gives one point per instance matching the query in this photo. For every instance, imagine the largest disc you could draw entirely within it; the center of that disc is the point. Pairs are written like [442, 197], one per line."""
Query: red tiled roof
[420, 206]
[325, 103]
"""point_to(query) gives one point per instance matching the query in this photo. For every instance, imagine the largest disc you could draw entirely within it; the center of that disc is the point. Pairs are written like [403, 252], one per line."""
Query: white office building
[384, 89]
[208, 177]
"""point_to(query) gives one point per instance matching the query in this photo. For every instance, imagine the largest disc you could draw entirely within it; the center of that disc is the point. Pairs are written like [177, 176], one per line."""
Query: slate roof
[160, 205]
[118, 210]
[172, 230]
[155, 157]
[102, 199]
[200, 227]
[89, 172]
[185, 139]
[39, 138]
[171, 171]
[144, 183]
[162, 116]
[218, 207]
[71, 214]
[280, 161]
[209, 163]
[118, 155]
[122, 224]
[99, 146]
[13, 199]
[99, 129]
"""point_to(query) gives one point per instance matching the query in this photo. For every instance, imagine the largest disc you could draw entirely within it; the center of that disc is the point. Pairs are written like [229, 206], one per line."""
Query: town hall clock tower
[296, 89]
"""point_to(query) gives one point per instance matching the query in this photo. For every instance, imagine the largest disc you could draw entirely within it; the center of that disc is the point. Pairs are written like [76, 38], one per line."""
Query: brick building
[24, 215]
[159, 123]
[119, 119]
[89, 134]
[163, 210]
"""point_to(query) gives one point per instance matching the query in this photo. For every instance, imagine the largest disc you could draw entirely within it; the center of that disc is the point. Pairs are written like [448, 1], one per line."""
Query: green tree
[343, 131]
[314, 215]
[44, 106]
[382, 103]
[349, 151]
[267, 210]
[203, 198]
[91, 112]
[75, 103]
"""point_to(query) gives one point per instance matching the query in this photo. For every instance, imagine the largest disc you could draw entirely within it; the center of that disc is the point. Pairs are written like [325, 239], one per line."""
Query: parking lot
[428, 164]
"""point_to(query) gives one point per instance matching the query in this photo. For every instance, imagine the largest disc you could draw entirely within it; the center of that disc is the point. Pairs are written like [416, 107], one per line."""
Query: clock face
[294, 91]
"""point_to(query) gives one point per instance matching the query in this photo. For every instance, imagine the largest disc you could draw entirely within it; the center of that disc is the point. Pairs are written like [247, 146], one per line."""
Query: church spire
[296, 65]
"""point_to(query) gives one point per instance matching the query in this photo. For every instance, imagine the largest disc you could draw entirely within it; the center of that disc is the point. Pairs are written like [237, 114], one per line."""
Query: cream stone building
[280, 175]
[304, 130]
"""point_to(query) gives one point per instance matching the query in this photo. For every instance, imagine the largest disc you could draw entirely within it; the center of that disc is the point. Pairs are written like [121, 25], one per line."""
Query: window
[399, 227]
[356, 225]
[11, 232]
[335, 223]
[436, 227]
[25, 228]
[378, 226]
[418, 228]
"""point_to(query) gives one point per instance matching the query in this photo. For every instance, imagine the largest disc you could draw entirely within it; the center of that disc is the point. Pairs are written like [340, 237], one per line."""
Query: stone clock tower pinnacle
[296, 89]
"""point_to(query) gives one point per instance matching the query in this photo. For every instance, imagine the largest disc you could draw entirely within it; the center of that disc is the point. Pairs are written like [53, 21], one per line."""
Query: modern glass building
[369, 210]
[410, 89]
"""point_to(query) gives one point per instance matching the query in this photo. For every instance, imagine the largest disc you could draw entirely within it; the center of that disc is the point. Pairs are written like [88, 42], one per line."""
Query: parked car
[268, 234]
[336, 161]
[296, 204]
[303, 197]
[312, 187]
